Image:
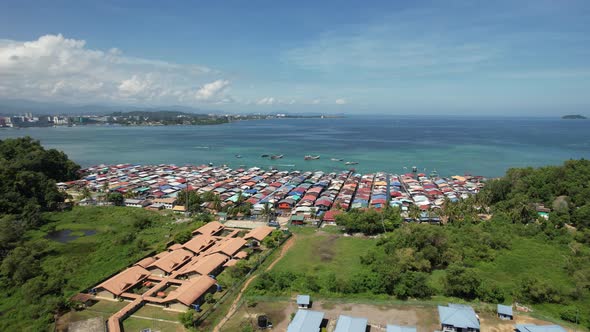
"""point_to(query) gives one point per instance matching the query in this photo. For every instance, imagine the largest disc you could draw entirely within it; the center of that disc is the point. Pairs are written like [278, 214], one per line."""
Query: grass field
[133, 324]
[320, 254]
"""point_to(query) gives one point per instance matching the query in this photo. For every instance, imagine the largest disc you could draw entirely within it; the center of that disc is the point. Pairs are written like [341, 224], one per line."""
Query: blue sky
[428, 57]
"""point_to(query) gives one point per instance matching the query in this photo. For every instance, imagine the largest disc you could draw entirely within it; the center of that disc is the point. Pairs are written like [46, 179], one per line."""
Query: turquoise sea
[450, 145]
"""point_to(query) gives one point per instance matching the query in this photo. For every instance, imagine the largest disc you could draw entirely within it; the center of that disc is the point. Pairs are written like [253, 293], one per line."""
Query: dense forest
[28, 174]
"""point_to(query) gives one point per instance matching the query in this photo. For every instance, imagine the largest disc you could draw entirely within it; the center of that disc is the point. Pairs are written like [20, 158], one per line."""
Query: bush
[533, 290]
[570, 314]
[183, 237]
[462, 282]
[187, 319]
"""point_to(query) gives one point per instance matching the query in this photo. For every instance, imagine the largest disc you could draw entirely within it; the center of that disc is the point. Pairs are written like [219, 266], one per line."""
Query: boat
[264, 156]
[351, 163]
[336, 159]
[238, 156]
[276, 156]
[308, 157]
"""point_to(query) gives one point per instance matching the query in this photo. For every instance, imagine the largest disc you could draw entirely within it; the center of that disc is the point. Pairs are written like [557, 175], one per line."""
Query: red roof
[331, 215]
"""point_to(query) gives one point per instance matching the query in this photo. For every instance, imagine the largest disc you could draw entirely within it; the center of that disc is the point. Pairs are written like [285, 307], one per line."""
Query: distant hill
[574, 117]
[16, 106]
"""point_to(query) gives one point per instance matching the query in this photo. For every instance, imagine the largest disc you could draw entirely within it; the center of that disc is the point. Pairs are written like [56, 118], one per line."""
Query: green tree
[581, 217]
[461, 282]
[183, 237]
[187, 319]
[116, 198]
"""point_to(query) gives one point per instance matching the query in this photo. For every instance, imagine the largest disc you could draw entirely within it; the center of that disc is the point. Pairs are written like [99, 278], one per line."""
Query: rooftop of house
[457, 315]
[303, 299]
[172, 260]
[204, 265]
[190, 291]
[209, 228]
[351, 324]
[505, 309]
[259, 233]
[199, 243]
[538, 328]
[121, 282]
[306, 321]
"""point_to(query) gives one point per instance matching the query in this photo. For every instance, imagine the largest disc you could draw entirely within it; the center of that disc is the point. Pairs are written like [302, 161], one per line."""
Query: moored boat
[351, 163]
[276, 156]
[309, 157]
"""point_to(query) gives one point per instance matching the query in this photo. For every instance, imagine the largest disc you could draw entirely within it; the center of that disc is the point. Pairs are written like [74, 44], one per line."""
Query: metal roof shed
[306, 321]
[351, 324]
[538, 328]
[505, 311]
[303, 301]
[458, 316]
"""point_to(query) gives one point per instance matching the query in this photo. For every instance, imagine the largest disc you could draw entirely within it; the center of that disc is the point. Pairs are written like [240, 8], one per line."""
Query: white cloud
[57, 68]
[266, 101]
[211, 91]
[341, 101]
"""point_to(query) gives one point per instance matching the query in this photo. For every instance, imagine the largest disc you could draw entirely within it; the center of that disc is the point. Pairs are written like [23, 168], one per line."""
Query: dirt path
[234, 305]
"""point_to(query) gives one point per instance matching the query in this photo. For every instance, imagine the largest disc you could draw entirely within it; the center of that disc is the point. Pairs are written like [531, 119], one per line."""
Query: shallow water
[450, 145]
[65, 235]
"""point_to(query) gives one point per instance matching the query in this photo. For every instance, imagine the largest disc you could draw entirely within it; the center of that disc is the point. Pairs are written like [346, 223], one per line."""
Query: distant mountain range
[15, 106]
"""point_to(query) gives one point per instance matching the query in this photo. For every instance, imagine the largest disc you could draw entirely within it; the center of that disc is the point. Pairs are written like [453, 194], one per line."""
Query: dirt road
[234, 305]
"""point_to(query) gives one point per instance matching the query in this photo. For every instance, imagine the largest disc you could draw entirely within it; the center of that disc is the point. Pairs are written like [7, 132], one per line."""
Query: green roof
[296, 218]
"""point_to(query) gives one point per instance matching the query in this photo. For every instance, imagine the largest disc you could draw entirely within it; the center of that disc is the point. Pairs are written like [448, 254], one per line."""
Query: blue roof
[457, 315]
[538, 328]
[397, 328]
[303, 299]
[351, 324]
[306, 321]
[505, 309]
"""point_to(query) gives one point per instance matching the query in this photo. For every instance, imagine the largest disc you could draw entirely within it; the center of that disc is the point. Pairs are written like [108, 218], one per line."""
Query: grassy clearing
[320, 254]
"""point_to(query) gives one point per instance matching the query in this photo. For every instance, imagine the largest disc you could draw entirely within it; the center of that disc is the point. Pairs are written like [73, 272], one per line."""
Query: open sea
[449, 145]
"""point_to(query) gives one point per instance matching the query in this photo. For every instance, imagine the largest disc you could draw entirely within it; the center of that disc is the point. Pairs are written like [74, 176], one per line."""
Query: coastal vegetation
[516, 255]
[166, 118]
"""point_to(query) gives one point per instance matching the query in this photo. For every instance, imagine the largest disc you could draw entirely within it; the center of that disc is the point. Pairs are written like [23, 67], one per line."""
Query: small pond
[65, 235]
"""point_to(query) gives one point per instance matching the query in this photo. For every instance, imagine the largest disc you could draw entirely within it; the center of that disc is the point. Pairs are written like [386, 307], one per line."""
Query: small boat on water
[351, 163]
[308, 157]
[336, 159]
[279, 156]
[238, 156]
[264, 156]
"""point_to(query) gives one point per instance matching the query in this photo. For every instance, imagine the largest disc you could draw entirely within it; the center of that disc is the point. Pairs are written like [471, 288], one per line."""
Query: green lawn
[319, 254]
[133, 324]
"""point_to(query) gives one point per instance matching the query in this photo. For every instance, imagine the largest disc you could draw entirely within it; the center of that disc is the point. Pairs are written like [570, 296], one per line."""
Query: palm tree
[105, 190]
[216, 203]
[267, 211]
[414, 212]
[86, 194]
[313, 211]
